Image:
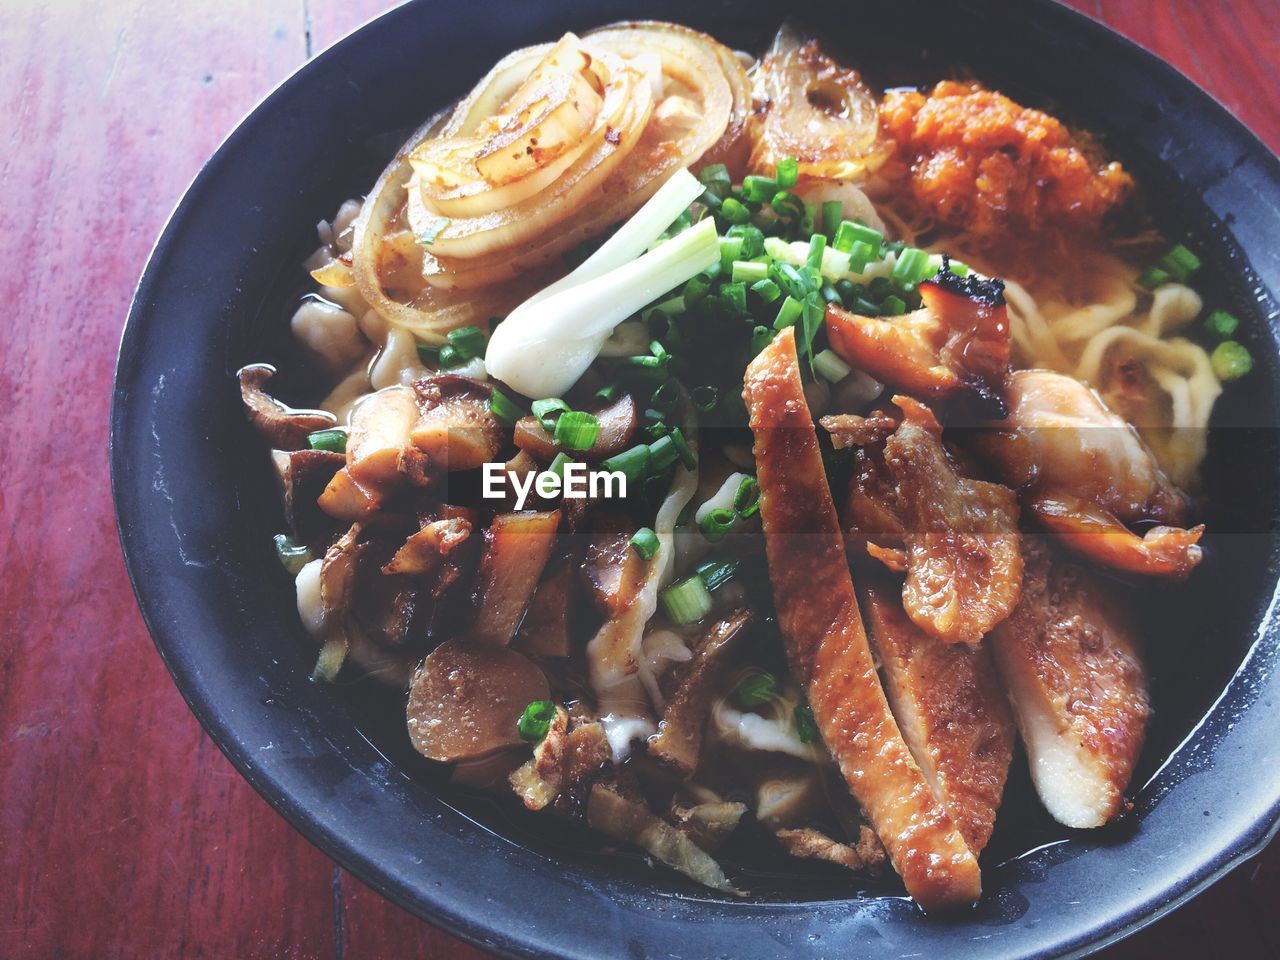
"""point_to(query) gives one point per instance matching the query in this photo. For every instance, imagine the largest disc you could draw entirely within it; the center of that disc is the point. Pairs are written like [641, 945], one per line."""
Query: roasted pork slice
[964, 565]
[950, 708]
[1070, 660]
[827, 646]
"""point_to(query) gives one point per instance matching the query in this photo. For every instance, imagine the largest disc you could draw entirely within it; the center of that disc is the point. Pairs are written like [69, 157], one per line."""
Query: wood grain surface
[123, 831]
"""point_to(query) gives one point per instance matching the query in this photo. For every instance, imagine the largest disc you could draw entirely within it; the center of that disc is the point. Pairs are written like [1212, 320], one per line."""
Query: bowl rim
[479, 929]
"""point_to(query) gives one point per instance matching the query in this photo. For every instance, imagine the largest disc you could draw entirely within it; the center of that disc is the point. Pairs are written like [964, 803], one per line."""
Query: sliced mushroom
[283, 427]
[427, 549]
[379, 436]
[632, 822]
[517, 547]
[467, 697]
[679, 737]
[346, 499]
[303, 476]
[618, 422]
[456, 429]
[545, 630]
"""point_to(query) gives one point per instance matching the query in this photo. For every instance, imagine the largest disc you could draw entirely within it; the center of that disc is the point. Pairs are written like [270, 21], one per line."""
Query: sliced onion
[816, 111]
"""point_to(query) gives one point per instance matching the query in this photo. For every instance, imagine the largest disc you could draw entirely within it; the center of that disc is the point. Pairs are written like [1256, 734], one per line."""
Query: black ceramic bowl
[196, 508]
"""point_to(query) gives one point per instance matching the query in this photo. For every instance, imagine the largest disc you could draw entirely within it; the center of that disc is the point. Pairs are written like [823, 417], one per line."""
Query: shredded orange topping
[981, 163]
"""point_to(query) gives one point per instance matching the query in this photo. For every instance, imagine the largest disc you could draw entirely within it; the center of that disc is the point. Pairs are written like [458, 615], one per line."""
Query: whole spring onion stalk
[546, 343]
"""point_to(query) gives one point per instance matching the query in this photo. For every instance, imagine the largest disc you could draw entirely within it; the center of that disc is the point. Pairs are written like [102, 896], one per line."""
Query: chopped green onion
[958, 268]
[609, 392]
[450, 357]
[733, 211]
[813, 311]
[293, 555]
[536, 720]
[848, 290]
[695, 289]
[756, 690]
[790, 311]
[817, 246]
[746, 501]
[548, 410]
[757, 189]
[832, 213]
[687, 459]
[749, 270]
[787, 173]
[806, 725]
[666, 398]
[558, 463]
[705, 398]
[830, 367]
[503, 407]
[767, 289]
[687, 601]
[334, 441]
[796, 282]
[787, 205]
[752, 239]
[730, 250]
[733, 297]
[632, 464]
[469, 342]
[716, 179]
[716, 573]
[1153, 277]
[807, 219]
[1230, 360]
[433, 229]
[646, 543]
[761, 337]
[429, 353]
[716, 523]
[830, 294]
[662, 454]
[1180, 263]
[859, 255]
[911, 267]
[1221, 324]
[576, 430]
[850, 233]
[892, 306]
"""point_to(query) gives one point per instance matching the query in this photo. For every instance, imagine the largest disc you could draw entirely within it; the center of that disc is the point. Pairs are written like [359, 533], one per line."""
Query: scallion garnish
[746, 501]
[687, 459]
[646, 543]
[757, 189]
[293, 555]
[761, 337]
[429, 353]
[548, 410]
[1152, 278]
[749, 271]
[705, 398]
[1230, 360]
[756, 690]
[716, 179]
[733, 298]
[830, 367]
[662, 454]
[1180, 263]
[767, 290]
[468, 342]
[558, 463]
[787, 173]
[1221, 324]
[665, 399]
[632, 464]
[334, 441]
[536, 720]
[752, 238]
[806, 725]
[787, 205]
[576, 430]
[817, 246]
[717, 523]
[503, 407]
[450, 357]
[733, 211]
[609, 392]
[716, 573]
[911, 267]
[790, 311]
[686, 601]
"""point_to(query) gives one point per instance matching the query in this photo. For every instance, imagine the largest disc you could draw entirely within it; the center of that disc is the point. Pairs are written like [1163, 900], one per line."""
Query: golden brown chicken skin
[827, 646]
[950, 708]
[1070, 661]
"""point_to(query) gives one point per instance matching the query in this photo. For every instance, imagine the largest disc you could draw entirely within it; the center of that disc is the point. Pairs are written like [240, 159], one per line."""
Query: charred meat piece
[426, 550]
[456, 430]
[613, 572]
[957, 343]
[1086, 475]
[282, 427]
[850, 430]
[618, 422]
[950, 707]
[827, 646]
[678, 741]
[517, 547]
[466, 700]
[345, 498]
[964, 565]
[811, 844]
[1070, 660]
[545, 631]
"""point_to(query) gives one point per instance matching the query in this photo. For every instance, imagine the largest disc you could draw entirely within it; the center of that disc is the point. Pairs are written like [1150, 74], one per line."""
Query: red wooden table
[123, 831]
